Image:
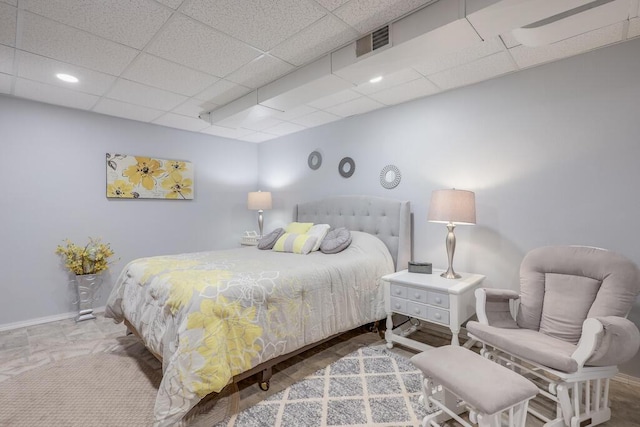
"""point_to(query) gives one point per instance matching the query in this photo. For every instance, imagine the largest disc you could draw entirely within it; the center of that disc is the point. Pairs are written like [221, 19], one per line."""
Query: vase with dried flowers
[86, 262]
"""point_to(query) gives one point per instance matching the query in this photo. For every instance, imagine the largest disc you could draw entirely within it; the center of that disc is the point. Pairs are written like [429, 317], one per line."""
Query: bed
[217, 317]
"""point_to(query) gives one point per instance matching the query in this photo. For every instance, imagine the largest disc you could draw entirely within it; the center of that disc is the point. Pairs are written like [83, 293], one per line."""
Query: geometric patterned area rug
[369, 387]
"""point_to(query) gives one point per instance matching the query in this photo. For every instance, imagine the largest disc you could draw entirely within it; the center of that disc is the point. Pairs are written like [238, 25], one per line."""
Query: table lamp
[259, 201]
[452, 207]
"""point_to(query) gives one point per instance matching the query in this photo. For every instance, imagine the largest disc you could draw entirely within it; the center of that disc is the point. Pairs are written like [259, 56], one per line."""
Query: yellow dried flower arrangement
[89, 259]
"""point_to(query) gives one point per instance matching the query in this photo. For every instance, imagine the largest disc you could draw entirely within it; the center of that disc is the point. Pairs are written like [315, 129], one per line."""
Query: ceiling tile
[294, 112]
[529, 56]
[125, 110]
[634, 28]
[181, 122]
[163, 74]
[388, 81]
[332, 4]
[260, 71]
[227, 132]
[464, 56]
[174, 4]
[11, 2]
[509, 40]
[405, 92]
[368, 15]
[222, 92]
[132, 23]
[5, 83]
[53, 94]
[262, 124]
[326, 35]
[260, 23]
[316, 119]
[197, 46]
[335, 99]
[8, 17]
[6, 59]
[41, 69]
[356, 106]
[193, 107]
[54, 40]
[482, 69]
[285, 128]
[257, 137]
[135, 93]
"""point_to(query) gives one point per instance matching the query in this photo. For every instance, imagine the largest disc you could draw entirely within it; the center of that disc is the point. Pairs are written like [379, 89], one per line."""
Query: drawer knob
[438, 300]
[437, 316]
[398, 291]
[417, 296]
[416, 310]
[397, 305]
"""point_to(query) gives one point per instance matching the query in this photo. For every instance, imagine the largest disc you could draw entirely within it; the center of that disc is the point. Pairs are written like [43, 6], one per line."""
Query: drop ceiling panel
[132, 23]
[634, 28]
[193, 107]
[258, 137]
[260, 71]
[8, 16]
[260, 23]
[174, 4]
[223, 92]
[529, 56]
[39, 68]
[330, 4]
[181, 122]
[53, 95]
[388, 81]
[11, 2]
[197, 46]
[295, 113]
[66, 44]
[328, 34]
[135, 93]
[262, 124]
[356, 106]
[163, 74]
[6, 59]
[5, 83]
[455, 58]
[316, 119]
[227, 132]
[335, 99]
[125, 110]
[482, 69]
[405, 92]
[368, 15]
[285, 129]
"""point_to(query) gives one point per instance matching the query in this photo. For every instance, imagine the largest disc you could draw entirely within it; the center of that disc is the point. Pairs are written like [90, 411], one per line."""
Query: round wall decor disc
[346, 167]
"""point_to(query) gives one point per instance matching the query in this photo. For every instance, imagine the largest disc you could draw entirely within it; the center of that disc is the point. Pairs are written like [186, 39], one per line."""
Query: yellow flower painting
[141, 177]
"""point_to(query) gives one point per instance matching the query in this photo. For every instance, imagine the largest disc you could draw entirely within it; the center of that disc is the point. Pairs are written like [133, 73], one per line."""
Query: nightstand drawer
[439, 299]
[438, 316]
[417, 310]
[417, 295]
[398, 291]
[399, 305]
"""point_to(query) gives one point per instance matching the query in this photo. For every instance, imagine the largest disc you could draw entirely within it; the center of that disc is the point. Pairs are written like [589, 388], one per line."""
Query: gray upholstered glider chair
[570, 329]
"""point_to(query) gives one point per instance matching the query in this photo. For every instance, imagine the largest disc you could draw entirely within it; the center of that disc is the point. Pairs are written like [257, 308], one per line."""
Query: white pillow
[319, 231]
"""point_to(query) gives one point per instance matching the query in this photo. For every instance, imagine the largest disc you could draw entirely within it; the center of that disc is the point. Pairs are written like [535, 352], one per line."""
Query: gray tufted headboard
[387, 219]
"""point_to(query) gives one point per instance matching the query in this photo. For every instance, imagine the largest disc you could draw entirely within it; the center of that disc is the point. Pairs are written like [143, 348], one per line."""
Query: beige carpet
[114, 385]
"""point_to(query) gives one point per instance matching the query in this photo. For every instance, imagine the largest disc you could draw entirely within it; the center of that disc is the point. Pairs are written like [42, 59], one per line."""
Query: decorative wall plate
[315, 160]
[346, 167]
[390, 177]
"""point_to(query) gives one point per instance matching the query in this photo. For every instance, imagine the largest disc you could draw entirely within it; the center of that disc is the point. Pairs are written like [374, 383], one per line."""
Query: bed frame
[387, 219]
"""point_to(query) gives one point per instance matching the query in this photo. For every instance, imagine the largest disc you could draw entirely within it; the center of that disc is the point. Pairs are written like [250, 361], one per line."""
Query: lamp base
[450, 274]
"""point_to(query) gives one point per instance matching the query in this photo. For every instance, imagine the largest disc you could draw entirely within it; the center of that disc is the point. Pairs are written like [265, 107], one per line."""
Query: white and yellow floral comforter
[213, 315]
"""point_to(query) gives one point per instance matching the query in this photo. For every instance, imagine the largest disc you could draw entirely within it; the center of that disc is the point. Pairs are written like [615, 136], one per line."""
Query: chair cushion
[529, 345]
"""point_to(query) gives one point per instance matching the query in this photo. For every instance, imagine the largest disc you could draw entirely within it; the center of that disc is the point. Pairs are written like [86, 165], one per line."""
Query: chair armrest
[607, 341]
[493, 307]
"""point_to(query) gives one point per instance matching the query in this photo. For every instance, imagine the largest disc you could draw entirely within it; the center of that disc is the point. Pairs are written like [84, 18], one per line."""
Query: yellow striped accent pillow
[296, 243]
[298, 227]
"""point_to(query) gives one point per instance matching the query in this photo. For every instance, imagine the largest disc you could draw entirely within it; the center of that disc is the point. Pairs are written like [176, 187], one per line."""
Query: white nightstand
[431, 298]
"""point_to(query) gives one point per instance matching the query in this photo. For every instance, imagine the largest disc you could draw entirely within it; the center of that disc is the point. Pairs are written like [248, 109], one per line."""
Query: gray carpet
[370, 387]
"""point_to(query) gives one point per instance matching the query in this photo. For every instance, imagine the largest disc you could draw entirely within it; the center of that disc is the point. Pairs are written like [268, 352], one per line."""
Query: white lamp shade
[456, 206]
[259, 200]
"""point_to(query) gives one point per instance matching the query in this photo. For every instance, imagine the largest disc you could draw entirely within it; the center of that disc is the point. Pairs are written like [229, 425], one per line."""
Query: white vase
[87, 285]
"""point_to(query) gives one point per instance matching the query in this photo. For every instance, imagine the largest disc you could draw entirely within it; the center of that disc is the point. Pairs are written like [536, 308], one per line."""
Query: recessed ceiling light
[67, 78]
[375, 79]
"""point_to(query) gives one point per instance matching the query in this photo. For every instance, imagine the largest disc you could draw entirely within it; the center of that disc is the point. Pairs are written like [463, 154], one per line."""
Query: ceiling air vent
[373, 41]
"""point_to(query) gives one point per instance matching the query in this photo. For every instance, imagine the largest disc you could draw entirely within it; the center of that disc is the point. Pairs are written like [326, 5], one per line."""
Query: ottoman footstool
[487, 389]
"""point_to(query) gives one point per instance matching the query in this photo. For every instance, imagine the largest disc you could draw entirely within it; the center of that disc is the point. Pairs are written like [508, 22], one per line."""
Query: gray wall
[551, 153]
[53, 187]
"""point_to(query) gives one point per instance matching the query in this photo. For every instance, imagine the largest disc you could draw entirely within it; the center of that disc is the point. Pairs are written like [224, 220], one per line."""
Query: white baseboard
[46, 319]
[627, 379]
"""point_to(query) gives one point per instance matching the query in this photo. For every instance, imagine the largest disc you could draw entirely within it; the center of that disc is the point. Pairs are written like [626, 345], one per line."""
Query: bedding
[214, 315]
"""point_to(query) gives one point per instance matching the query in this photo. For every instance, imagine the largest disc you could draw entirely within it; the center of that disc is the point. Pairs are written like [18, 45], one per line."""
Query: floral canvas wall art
[138, 177]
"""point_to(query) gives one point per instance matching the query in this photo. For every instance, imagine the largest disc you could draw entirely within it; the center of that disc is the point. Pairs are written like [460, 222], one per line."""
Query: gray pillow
[270, 239]
[336, 241]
